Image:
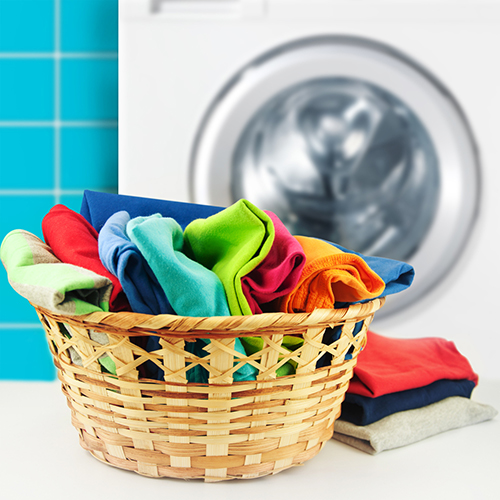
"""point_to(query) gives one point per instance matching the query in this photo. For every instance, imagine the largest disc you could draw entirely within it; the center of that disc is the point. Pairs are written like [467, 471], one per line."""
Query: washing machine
[371, 123]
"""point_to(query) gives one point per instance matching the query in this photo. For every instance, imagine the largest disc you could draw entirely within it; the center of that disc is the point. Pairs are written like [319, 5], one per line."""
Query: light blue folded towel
[122, 258]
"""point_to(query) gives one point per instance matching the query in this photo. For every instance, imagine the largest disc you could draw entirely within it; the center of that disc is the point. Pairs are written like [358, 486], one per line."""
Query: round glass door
[342, 160]
[347, 140]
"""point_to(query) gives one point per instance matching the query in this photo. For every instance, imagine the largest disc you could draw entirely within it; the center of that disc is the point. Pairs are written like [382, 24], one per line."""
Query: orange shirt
[330, 276]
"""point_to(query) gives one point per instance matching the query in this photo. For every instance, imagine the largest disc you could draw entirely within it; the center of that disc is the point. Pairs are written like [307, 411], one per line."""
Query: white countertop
[41, 458]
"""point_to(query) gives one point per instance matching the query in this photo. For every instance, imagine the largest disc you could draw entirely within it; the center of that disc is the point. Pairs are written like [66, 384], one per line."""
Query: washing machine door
[350, 141]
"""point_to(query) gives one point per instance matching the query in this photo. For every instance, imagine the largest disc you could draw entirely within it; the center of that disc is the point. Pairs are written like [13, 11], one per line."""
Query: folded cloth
[407, 427]
[38, 275]
[329, 276]
[397, 276]
[74, 241]
[231, 243]
[388, 365]
[97, 208]
[191, 289]
[362, 410]
[123, 259]
[278, 273]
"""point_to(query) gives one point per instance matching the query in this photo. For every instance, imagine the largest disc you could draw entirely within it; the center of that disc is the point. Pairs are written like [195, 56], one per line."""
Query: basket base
[188, 473]
[255, 432]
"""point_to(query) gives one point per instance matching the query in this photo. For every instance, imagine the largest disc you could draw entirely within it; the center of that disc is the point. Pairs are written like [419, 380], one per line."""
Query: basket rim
[169, 326]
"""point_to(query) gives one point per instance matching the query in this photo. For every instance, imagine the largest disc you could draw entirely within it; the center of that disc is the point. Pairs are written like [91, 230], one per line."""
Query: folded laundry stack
[404, 390]
[407, 427]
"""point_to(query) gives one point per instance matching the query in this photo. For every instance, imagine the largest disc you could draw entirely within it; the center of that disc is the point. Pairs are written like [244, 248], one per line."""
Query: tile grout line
[57, 102]
[63, 55]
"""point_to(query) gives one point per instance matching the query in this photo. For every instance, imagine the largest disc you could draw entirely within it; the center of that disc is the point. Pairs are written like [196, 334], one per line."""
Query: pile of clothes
[405, 390]
[125, 253]
[163, 257]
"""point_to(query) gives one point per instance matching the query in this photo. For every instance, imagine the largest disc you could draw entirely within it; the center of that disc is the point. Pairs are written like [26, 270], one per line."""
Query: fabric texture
[278, 273]
[407, 427]
[387, 365]
[74, 241]
[191, 289]
[39, 276]
[123, 259]
[231, 243]
[97, 208]
[397, 276]
[362, 410]
[35, 273]
[329, 276]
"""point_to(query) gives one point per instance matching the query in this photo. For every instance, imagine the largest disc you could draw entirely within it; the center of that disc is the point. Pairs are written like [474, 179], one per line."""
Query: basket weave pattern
[215, 431]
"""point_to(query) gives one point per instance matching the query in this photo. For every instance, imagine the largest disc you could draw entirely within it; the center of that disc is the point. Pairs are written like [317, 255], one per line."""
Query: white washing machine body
[194, 76]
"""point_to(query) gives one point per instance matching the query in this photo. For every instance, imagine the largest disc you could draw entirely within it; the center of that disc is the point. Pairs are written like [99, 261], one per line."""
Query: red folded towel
[388, 365]
[74, 241]
[278, 273]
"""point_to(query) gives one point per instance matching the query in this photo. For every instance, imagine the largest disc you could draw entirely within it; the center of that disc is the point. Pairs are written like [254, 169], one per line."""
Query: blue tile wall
[36, 366]
[89, 158]
[58, 135]
[27, 25]
[20, 211]
[89, 25]
[26, 89]
[31, 150]
[88, 89]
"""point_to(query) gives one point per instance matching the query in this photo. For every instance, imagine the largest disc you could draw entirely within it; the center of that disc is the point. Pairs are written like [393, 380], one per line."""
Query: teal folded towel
[191, 289]
[35, 273]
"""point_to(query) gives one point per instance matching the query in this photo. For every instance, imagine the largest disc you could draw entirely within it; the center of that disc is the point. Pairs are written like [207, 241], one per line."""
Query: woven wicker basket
[215, 431]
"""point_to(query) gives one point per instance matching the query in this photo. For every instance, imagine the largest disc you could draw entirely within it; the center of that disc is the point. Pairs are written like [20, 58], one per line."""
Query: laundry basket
[216, 431]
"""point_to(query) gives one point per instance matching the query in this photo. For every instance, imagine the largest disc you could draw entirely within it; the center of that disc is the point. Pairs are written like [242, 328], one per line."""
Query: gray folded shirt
[406, 427]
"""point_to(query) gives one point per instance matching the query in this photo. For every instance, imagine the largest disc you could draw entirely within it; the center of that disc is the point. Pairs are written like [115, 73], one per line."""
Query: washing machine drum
[349, 141]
